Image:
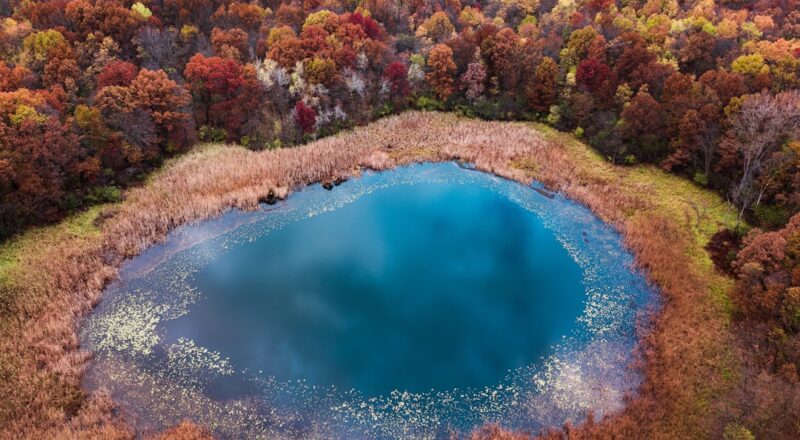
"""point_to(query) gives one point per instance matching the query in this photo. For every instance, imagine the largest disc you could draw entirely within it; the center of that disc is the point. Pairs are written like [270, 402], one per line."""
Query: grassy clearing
[16, 251]
[51, 276]
[696, 209]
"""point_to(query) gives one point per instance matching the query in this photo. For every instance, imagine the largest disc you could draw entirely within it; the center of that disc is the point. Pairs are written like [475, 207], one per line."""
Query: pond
[411, 303]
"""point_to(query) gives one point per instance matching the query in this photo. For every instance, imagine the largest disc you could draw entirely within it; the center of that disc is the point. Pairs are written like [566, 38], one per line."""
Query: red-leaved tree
[592, 73]
[305, 116]
[397, 75]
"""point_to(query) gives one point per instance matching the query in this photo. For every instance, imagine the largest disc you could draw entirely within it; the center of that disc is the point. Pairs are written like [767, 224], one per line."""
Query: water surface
[405, 304]
[410, 288]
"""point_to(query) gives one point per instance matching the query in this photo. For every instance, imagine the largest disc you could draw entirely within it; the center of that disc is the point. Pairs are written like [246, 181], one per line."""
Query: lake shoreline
[586, 270]
[47, 291]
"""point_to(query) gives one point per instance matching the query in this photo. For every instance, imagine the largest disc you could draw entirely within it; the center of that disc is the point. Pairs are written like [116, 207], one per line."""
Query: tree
[13, 78]
[41, 161]
[162, 98]
[117, 73]
[633, 56]
[231, 43]
[391, 14]
[108, 17]
[592, 73]
[749, 65]
[214, 83]
[189, 12]
[319, 71]
[725, 84]
[36, 47]
[248, 16]
[437, 27]
[578, 45]
[768, 266]
[698, 136]
[290, 15]
[654, 75]
[501, 51]
[305, 117]
[644, 126]
[150, 113]
[157, 48]
[367, 24]
[397, 75]
[543, 89]
[697, 54]
[473, 80]
[287, 51]
[757, 133]
[63, 72]
[442, 69]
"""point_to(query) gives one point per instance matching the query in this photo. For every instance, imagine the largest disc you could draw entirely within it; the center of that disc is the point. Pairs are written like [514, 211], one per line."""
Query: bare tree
[137, 128]
[757, 135]
[157, 48]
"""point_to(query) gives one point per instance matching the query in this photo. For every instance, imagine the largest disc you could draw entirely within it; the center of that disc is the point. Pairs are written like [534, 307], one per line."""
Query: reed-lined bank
[51, 277]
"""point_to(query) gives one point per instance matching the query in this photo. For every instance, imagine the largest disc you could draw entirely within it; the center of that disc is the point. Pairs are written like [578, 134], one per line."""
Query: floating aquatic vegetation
[163, 381]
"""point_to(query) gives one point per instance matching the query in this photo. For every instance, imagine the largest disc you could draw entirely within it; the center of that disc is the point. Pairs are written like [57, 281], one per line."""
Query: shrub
[104, 194]
[772, 216]
[212, 134]
[428, 103]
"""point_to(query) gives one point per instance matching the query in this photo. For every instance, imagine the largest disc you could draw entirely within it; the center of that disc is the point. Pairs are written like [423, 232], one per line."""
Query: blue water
[410, 288]
[404, 304]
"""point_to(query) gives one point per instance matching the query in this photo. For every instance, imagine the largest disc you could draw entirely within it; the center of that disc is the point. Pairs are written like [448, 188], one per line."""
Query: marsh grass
[51, 277]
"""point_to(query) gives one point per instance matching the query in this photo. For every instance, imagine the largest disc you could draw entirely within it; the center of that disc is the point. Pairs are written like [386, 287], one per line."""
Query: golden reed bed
[55, 275]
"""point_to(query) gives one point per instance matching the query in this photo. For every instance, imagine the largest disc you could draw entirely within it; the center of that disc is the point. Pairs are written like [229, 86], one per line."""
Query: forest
[93, 94]
[96, 94]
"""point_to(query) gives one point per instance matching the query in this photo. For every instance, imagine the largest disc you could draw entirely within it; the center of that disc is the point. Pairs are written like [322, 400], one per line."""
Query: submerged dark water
[405, 304]
[409, 288]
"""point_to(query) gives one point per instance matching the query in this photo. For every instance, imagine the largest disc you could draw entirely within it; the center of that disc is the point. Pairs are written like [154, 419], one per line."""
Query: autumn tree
[396, 73]
[117, 73]
[697, 54]
[370, 27]
[230, 43]
[214, 83]
[437, 27]
[305, 117]
[441, 71]
[769, 276]
[592, 73]
[247, 16]
[726, 85]
[290, 15]
[501, 51]
[41, 163]
[16, 77]
[696, 143]
[473, 80]
[287, 51]
[157, 48]
[150, 113]
[644, 127]
[633, 55]
[107, 17]
[542, 90]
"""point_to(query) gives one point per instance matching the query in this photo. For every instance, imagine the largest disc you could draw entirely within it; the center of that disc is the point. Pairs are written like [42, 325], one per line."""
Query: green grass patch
[699, 209]
[27, 244]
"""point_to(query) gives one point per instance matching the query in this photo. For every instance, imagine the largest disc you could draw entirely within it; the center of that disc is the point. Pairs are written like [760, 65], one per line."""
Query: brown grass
[50, 278]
